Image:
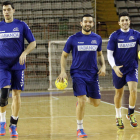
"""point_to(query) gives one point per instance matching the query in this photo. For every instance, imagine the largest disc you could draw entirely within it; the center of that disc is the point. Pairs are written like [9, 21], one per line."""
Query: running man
[85, 46]
[123, 58]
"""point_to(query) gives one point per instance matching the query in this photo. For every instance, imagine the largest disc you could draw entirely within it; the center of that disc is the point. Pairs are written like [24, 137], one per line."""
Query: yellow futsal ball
[139, 54]
[61, 85]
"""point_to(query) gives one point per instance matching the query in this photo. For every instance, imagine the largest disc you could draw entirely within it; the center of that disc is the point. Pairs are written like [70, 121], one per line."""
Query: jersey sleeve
[100, 45]
[68, 45]
[27, 33]
[111, 43]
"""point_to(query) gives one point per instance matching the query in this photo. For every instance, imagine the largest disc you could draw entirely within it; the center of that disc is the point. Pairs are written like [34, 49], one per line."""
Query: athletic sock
[131, 109]
[13, 120]
[3, 116]
[118, 112]
[80, 124]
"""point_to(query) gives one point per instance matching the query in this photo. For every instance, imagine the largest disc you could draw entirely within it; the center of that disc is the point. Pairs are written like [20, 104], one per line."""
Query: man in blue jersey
[12, 64]
[122, 56]
[85, 47]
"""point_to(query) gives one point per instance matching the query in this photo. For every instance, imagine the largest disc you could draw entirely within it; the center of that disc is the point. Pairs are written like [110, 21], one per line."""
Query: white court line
[68, 116]
[121, 107]
[128, 104]
[51, 111]
[55, 98]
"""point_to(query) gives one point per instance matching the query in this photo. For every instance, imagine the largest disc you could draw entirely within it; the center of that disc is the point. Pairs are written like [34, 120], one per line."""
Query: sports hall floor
[51, 116]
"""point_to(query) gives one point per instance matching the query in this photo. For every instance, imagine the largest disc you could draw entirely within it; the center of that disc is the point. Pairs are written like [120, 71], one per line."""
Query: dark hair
[123, 14]
[86, 15]
[8, 3]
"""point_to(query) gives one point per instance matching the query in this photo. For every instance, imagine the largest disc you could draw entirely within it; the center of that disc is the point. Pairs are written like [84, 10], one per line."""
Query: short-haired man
[12, 64]
[85, 46]
[123, 58]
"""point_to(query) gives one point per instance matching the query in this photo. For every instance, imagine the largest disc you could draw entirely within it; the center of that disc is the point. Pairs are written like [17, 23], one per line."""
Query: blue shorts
[130, 76]
[88, 88]
[15, 78]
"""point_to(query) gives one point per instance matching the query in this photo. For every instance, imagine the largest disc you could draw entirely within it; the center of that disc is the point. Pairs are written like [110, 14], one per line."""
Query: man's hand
[117, 71]
[102, 71]
[62, 76]
[22, 58]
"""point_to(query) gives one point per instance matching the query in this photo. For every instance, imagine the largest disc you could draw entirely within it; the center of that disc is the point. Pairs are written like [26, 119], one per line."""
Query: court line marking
[51, 111]
[55, 98]
[121, 107]
[69, 116]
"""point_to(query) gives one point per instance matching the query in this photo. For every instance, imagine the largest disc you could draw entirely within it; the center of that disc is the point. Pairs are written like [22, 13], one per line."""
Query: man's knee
[16, 95]
[82, 100]
[133, 91]
[95, 102]
[119, 94]
[4, 95]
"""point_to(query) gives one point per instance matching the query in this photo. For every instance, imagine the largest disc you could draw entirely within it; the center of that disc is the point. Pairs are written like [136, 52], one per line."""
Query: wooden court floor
[52, 117]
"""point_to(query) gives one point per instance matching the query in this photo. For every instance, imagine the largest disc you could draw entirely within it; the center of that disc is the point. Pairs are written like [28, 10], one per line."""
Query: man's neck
[86, 33]
[125, 30]
[9, 21]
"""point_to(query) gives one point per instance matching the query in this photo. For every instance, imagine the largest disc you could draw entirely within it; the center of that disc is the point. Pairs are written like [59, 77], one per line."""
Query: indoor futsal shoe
[81, 133]
[119, 123]
[13, 131]
[2, 128]
[132, 119]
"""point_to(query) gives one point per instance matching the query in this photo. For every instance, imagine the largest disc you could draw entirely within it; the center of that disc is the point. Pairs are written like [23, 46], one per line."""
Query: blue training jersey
[12, 43]
[125, 45]
[84, 53]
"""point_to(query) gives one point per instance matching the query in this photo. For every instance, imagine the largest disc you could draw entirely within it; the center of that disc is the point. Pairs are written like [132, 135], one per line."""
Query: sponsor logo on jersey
[93, 42]
[16, 29]
[120, 39]
[2, 31]
[131, 37]
[9, 35]
[126, 45]
[81, 42]
[87, 47]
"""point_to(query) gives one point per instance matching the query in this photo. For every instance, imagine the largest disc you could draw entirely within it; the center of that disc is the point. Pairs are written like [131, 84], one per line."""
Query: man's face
[8, 12]
[87, 24]
[124, 22]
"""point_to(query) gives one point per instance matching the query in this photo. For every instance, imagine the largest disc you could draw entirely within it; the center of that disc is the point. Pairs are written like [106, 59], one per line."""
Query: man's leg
[118, 104]
[132, 101]
[80, 115]
[4, 95]
[16, 103]
[94, 102]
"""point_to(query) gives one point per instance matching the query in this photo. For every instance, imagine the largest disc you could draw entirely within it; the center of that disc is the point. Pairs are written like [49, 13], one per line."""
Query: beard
[86, 30]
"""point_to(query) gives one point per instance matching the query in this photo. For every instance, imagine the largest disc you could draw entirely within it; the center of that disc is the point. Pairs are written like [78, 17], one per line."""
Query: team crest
[131, 37]
[16, 29]
[93, 42]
